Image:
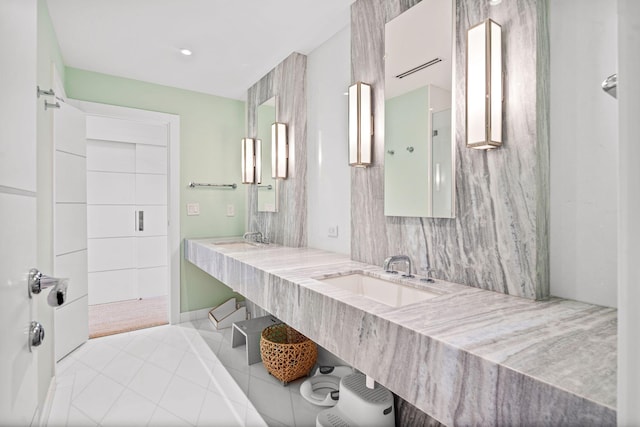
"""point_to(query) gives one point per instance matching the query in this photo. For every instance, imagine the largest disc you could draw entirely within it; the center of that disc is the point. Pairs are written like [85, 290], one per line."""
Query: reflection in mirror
[419, 148]
[267, 190]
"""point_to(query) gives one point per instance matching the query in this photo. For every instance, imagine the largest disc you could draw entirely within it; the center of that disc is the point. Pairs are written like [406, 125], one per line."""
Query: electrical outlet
[333, 231]
[231, 210]
[193, 208]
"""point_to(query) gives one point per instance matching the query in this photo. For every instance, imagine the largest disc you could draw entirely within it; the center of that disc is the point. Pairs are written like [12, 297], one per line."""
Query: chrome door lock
[39, 281]
[36, 334]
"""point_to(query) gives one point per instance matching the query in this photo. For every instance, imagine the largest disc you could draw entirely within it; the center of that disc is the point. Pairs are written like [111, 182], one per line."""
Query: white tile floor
[186, 374]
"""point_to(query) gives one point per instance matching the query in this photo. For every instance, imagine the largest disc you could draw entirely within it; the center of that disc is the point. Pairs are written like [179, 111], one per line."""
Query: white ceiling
[234, 42]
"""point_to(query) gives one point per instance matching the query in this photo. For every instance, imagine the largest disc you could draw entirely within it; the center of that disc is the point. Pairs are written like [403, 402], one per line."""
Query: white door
[70, 226]
[155, 138]
[18, 366]
[127, 209]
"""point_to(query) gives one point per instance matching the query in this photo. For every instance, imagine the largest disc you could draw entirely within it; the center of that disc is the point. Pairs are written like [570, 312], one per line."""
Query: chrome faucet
[256, 236]
[388, 263]
[429, 272]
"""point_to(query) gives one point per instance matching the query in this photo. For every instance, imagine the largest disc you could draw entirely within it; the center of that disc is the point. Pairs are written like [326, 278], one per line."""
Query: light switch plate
[333, 231]
[231, 210]
[193, 209]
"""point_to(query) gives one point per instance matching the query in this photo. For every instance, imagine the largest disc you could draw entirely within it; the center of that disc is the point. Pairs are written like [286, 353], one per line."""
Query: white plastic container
[226, 313]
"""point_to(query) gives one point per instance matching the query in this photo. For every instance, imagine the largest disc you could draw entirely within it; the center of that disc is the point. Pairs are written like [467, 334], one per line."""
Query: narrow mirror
[267, 190]
[419, 149]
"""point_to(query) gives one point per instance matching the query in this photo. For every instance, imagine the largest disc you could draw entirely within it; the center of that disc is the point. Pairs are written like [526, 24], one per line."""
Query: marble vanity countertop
[466, 357]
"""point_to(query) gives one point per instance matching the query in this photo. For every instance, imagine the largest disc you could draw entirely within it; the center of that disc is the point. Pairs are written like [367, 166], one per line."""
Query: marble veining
[499, 238]
[466, 357]
[287, 80]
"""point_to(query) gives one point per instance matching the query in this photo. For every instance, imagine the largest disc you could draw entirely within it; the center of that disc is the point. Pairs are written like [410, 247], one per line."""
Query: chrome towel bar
[198, 184]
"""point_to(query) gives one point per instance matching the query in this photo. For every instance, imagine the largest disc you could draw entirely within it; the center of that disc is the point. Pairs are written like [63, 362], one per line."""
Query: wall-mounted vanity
[419, 159]
[435, 351]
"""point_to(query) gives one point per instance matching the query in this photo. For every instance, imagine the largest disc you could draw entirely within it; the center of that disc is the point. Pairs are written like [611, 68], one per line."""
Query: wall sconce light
[484, 86]
[279, 150]
[251, 161]
[360, 125]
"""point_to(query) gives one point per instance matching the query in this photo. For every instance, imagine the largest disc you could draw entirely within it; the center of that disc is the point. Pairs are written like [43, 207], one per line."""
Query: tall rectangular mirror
[268, 188]
[419, 159]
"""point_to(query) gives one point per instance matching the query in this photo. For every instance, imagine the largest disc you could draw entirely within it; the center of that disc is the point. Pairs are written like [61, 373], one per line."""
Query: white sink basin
[383, 291]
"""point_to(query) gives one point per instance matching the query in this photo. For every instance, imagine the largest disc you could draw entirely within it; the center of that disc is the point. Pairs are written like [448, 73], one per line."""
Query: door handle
[38, 282]
[36, 334]
[140, 220]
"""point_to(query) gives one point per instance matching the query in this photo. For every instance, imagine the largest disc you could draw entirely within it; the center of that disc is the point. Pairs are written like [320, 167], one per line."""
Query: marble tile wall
[499, 238]
[288, 81]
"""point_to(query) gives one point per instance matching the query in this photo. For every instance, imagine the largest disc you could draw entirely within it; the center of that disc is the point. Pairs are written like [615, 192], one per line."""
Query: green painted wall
[210, 131]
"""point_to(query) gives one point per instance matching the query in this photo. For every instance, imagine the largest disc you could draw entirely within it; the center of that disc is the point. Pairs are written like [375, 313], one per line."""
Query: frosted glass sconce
[360, 125]
[484, 86]
[279, 150]
[251, 161]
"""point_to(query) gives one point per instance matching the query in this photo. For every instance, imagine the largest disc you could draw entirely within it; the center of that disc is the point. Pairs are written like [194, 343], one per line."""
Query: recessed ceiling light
[495, 2]
[186, 52]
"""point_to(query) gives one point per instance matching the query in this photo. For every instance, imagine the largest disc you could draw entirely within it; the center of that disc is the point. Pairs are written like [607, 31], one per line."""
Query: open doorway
[133, 244]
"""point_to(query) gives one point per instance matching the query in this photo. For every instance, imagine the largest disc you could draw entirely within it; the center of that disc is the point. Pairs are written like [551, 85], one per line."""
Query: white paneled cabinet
[127, 209]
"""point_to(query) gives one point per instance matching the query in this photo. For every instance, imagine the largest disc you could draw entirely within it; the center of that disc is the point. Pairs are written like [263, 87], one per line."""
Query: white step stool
[248, 332]
[359, 406]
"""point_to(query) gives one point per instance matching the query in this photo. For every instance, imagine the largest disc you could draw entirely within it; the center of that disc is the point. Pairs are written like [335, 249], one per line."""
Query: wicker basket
[286, 353]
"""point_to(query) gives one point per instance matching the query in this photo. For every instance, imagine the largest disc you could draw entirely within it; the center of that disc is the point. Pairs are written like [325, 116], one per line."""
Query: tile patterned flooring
[173, 375]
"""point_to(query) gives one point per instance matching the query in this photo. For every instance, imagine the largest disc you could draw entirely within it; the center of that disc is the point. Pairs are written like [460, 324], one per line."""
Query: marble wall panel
[288, 81]
[499, 238]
